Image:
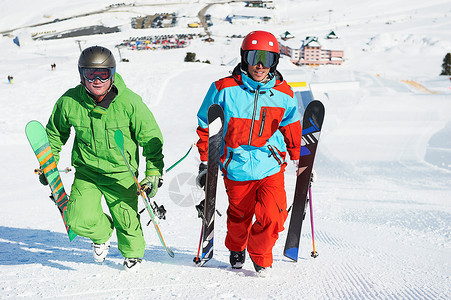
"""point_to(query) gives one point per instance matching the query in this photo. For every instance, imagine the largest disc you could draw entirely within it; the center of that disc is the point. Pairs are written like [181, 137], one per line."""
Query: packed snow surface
[382, 212]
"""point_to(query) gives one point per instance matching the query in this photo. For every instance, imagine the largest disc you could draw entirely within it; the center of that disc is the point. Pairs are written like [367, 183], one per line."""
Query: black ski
[215, 130]
[311, 129]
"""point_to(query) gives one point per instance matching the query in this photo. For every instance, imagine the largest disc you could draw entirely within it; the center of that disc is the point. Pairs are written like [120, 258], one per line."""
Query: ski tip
[315, 110]
[206, 256]
[292, 253]
[215, 111]
[119, 138]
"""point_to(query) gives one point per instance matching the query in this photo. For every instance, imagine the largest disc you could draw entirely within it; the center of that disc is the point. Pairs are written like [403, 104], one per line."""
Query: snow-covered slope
[382, 200]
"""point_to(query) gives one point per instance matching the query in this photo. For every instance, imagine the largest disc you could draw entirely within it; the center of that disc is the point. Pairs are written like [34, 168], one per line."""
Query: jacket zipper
[229, 160]
[274, 154]
[262, 123]
[253, 114]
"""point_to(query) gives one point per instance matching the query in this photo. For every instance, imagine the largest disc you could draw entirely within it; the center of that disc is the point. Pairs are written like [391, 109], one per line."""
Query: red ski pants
[266, 199]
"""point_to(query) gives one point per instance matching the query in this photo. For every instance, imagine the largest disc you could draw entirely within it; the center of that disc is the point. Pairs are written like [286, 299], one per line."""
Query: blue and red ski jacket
[261, 125]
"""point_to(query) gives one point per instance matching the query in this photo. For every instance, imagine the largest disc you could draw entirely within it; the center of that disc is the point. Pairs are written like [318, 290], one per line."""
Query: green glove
[150, 185]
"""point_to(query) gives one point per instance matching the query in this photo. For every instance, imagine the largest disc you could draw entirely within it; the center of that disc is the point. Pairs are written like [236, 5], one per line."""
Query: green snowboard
[39, 141]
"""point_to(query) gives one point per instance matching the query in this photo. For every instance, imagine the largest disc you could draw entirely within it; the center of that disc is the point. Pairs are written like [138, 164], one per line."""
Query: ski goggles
[267, 58]
[103, 74]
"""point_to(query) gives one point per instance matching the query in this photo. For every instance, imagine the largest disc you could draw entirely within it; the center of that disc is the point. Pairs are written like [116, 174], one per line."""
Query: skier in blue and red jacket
[261, 126]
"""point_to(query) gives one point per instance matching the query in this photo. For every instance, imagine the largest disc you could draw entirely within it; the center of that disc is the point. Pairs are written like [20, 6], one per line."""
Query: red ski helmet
[260, 40]
[263, 41]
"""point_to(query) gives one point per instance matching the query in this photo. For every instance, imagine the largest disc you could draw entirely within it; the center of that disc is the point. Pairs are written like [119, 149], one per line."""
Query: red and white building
[310, 53]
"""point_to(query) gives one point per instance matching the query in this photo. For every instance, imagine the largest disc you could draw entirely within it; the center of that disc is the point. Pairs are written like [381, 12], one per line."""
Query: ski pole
[314, 253]
[180, 160]
[197, 259]
[200, 214]
[159, 210]
[119, 138]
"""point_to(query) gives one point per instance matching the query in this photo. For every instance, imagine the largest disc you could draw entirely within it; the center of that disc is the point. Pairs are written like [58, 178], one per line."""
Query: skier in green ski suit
[96, 108]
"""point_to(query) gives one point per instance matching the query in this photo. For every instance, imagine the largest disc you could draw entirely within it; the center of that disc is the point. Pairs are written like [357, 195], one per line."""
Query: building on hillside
[245, 19]
[332, 35]
[310, 52]
[286, 36]
[154, 21]
[260, 3]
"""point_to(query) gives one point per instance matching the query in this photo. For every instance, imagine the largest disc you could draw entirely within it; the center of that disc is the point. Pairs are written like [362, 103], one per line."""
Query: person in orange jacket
[261, 126]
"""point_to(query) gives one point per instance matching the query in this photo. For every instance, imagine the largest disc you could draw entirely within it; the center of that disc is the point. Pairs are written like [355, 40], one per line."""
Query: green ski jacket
[94, 148]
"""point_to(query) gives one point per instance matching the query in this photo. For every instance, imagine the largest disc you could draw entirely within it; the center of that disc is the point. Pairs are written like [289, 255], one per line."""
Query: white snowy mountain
[381, 203]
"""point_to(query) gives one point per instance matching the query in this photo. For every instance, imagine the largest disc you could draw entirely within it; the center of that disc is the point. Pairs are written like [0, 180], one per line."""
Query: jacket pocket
[83, 134]
[71, 206]
[229, 159]
[126, 220]
[274, 154]
[112, 127]
[262, 124]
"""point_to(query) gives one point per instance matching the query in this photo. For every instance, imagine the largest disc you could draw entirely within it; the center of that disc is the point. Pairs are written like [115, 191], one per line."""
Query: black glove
[202, 176]
[200, 209]
[42, 179]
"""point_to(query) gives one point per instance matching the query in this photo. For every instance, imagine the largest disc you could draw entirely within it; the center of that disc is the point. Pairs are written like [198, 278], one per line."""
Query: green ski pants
[86, 217]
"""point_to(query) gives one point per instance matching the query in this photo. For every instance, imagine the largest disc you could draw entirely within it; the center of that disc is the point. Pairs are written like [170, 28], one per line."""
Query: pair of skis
[311, 124]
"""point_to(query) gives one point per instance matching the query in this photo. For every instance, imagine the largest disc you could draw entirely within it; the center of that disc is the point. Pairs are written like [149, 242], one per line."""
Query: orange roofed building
[310, 53]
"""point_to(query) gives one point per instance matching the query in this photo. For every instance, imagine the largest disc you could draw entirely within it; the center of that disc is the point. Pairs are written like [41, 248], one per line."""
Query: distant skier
[96, 108]
[53, 66]
[10, 79]
[262, 124]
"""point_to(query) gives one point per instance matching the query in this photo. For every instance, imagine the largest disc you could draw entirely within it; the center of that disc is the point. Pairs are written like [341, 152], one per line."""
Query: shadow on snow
[20, 246]
[23, 246]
